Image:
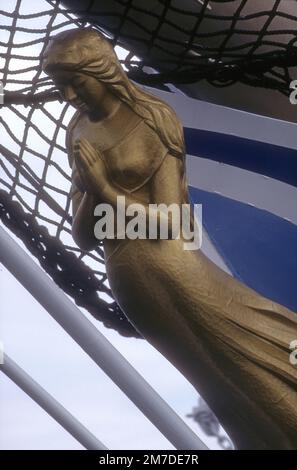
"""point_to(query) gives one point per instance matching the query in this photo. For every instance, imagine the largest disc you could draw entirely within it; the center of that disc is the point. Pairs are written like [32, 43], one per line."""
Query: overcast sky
[34, 340]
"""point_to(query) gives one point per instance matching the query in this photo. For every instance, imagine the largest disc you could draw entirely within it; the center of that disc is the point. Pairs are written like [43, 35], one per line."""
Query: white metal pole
[50, 405]
[62, 309]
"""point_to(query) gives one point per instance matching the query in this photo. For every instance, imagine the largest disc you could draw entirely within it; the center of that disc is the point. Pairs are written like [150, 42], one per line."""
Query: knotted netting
[35, 176]
[158, 42]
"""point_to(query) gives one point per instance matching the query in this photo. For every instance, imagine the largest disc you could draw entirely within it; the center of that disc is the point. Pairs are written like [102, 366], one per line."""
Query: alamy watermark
[293, 95]
[152, 221]
[293, 355]
[1, 353]
[1, 93]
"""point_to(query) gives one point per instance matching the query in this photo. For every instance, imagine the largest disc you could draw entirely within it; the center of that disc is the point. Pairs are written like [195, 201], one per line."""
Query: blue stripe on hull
[276, 162]
[258, 247]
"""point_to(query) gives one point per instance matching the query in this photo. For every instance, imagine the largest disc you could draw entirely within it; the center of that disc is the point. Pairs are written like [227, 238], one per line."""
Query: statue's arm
[83, 220]
[167, 185]
[83, 203]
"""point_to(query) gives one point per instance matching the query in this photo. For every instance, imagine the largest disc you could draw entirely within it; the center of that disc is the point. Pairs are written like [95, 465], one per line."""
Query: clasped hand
[90, 166]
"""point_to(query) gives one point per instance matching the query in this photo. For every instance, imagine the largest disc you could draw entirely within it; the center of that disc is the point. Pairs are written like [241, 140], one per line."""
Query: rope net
[156, 48]
[34, 174]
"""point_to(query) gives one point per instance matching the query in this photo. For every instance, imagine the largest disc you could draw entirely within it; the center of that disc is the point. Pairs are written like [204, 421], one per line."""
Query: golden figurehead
[232, 344]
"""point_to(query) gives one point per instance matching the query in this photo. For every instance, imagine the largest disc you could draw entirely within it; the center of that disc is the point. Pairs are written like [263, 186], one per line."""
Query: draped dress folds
[232, 344]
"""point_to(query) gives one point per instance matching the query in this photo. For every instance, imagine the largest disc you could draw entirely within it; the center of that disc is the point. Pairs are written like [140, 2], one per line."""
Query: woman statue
[232, 344]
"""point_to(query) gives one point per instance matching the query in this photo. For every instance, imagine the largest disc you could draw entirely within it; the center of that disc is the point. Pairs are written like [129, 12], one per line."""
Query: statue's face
[80, 90]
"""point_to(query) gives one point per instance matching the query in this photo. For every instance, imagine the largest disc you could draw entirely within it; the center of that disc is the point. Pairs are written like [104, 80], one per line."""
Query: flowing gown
[232, 344]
